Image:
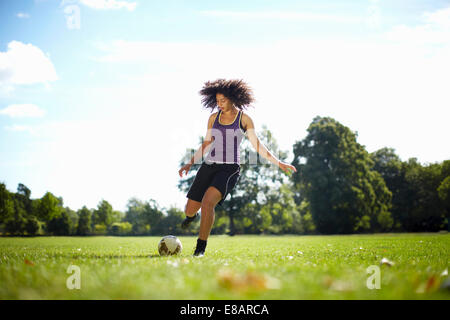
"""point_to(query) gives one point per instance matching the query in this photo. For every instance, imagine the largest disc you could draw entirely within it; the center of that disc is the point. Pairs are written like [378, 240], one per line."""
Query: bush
[308, 223]
[385, 221]
[15, 225]
[60, 226]
[121, 228]
[100, 229]
[32, 226]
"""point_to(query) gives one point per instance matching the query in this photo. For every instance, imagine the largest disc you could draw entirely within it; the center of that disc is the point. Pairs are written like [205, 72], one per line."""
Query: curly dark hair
[240, 94]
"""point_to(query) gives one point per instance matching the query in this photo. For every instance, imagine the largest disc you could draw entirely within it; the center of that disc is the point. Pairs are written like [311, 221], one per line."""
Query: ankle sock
[193, 217]
[201, 245]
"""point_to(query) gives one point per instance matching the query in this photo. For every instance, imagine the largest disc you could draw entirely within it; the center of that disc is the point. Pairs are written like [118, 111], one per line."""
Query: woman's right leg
[192, 207]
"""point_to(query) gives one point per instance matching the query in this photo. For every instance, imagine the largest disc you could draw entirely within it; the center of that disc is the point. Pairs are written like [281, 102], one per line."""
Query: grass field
[240, 267]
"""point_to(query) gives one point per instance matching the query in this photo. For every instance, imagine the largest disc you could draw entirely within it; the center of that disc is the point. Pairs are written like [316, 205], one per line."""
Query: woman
[220, 171]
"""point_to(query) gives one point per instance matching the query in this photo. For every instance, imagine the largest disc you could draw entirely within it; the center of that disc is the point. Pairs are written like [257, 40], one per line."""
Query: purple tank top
[227, 140]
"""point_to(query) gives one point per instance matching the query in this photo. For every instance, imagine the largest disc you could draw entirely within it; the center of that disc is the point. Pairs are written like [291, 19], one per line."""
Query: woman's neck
[231, 110]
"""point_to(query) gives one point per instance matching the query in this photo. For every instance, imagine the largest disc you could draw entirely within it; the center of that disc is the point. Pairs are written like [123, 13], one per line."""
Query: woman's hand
[286, 167]
[185, 168]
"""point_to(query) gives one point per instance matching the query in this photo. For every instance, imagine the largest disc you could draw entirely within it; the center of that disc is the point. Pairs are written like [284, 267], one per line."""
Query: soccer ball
[169, 245]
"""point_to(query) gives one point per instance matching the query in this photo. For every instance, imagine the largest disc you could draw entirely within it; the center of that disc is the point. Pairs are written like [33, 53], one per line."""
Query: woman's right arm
[202, 149]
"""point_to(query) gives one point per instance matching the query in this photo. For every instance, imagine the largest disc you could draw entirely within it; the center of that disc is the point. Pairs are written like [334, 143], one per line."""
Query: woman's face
[223, 102]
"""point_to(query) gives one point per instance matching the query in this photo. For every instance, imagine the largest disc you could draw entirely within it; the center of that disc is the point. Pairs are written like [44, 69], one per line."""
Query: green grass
[240, 267]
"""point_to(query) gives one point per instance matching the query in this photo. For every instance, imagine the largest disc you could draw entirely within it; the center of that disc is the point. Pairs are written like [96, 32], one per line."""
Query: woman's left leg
[210, 199]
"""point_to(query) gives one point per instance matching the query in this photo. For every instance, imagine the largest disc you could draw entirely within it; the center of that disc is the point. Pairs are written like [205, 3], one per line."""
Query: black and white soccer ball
[169, 245]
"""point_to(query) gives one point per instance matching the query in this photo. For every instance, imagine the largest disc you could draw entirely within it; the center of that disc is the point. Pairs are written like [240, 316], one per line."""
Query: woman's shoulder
[245, 118]
[212, 118]
[246, 121]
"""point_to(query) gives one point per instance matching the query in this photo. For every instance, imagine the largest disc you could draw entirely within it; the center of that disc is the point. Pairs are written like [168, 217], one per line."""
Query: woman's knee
[208, 203]
[211, 197]
[192, 207]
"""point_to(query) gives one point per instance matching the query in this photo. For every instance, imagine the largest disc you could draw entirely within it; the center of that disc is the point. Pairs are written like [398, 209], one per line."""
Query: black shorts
[223, 176]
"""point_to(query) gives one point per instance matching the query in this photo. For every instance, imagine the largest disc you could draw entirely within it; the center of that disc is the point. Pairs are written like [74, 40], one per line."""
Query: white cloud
[20, 128]
[374, 19]
[148, 51]
[6, 90]
[23, 15]
[440, 17]
[22, 111]
[25, 64]
[434, 30]
[109, 4]
[281, 15]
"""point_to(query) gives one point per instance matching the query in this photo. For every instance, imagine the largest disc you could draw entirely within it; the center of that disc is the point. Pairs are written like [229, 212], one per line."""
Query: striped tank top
[227, 140]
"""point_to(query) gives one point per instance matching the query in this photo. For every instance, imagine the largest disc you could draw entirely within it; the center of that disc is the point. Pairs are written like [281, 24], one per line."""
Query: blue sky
[99, 98]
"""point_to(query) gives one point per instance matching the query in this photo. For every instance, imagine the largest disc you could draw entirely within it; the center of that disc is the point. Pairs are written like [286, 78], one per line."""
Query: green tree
[6, 203]
[307, 220]
[84, 221]
[133, 215]
[283, 212]
[335, 176]
[103, 215]
[18, 210]
[390, 167]
[15, 224]
[32, 226]
[416, 204]
[60, 225]
[423, 208]
[152, 217]
[145, 217]
[444, 195]
[117, 216]
[23, 195]
[49, 207]
[73, 216]
[171, 223]
[444, 190]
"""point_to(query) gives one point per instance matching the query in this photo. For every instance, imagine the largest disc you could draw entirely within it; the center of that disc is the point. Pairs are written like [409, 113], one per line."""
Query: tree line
[350, 190]
[21, 215]
[339, 188]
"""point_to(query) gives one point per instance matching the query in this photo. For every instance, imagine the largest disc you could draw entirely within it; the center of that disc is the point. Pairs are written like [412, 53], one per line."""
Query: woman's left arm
[247, 122]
